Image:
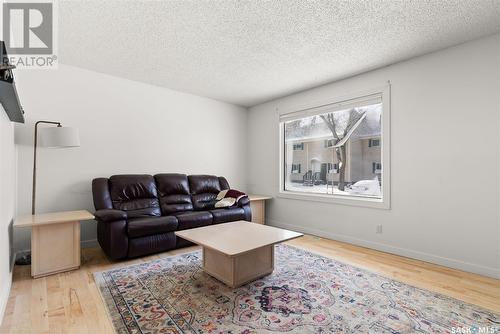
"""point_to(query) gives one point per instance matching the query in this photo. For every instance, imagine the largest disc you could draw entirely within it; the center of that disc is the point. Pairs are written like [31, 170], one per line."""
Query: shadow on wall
[11, 244]
[70, 194]
[76, 196]
[23, 134]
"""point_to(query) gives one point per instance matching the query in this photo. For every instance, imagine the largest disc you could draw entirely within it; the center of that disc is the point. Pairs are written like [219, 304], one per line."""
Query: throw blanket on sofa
[227, 198]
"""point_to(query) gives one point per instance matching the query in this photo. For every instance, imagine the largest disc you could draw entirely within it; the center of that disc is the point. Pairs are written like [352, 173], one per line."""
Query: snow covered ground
[327, 190]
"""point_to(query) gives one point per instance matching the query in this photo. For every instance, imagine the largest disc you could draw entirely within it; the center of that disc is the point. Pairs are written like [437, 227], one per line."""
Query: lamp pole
[34, 161]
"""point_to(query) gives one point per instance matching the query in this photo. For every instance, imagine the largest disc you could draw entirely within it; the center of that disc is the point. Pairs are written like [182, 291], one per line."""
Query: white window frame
[341, 102]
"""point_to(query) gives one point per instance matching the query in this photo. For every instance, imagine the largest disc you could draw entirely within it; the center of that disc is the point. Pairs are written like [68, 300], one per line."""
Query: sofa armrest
[110, 215]
[243, 201]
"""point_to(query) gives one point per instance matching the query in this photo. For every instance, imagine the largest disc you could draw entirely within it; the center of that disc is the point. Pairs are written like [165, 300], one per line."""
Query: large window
[341, 150]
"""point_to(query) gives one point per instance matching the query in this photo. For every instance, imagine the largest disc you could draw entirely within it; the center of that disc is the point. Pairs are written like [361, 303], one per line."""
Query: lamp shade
[59, 136]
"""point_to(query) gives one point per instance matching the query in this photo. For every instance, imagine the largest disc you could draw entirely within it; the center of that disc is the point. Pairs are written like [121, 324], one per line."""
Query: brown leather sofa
[138, 214]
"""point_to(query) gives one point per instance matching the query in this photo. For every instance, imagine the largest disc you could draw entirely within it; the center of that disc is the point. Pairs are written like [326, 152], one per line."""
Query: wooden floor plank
[39, 306]
[70, 302]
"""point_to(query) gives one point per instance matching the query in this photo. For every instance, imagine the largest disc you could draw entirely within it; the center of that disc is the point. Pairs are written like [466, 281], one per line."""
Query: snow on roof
[314, 127]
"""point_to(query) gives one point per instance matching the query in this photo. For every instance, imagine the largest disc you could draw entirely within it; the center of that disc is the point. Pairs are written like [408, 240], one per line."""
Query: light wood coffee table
[239, 252]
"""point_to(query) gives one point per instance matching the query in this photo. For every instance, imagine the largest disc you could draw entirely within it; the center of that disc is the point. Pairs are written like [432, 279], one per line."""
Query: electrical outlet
[379, 229]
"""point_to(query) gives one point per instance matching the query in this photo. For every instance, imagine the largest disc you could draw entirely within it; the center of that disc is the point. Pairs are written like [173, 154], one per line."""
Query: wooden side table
[55, 240]
[258, 206]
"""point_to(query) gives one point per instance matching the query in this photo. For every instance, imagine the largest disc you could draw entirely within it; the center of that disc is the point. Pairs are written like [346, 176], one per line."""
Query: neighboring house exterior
[309, 150]
[318, 156]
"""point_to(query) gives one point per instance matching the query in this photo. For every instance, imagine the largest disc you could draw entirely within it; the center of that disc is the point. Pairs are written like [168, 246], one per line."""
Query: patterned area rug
[307, 293]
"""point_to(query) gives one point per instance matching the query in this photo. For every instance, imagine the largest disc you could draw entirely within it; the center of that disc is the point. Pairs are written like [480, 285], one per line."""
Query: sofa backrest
[204, 190]
[223, 183]
[135, 194]
[173, 192]
[163, 194]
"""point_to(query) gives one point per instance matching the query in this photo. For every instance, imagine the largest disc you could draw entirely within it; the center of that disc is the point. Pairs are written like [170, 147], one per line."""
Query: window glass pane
[335, 152]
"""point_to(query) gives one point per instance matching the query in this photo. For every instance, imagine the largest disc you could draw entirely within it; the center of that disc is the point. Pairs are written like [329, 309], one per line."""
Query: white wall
[7, 203]
[445, 161]
[125, 127]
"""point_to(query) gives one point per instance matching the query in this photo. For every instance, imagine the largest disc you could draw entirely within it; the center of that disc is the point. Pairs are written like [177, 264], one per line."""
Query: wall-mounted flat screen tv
[8, 93]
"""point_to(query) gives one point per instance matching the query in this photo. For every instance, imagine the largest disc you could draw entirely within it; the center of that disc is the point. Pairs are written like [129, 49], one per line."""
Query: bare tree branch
[341, 151]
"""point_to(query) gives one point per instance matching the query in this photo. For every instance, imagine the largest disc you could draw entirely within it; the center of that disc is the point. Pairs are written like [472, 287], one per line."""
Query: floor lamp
[52, 137]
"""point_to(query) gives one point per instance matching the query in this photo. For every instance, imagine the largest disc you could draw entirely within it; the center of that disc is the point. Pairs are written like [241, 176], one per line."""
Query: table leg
[241, 269]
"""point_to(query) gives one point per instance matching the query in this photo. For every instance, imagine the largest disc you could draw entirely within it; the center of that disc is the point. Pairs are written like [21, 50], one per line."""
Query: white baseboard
[447, 262]
[4, 296]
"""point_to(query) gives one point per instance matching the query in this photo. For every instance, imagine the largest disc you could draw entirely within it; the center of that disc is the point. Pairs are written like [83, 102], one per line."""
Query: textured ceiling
[248, 52]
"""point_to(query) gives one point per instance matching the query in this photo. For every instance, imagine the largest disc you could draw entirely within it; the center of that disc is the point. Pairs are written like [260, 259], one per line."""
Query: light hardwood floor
[70, 303]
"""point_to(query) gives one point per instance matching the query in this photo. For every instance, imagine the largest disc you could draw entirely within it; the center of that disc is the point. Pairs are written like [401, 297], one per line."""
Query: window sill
[336, 199]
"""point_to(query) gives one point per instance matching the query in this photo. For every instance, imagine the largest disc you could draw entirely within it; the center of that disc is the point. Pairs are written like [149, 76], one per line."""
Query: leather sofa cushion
[205, 201]
[204, 190]
[193, 219]
[175, 203]
[174, 194]
[135, 194]
[140, 227]
[200, 184]
[171, 183]
[227, 215]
